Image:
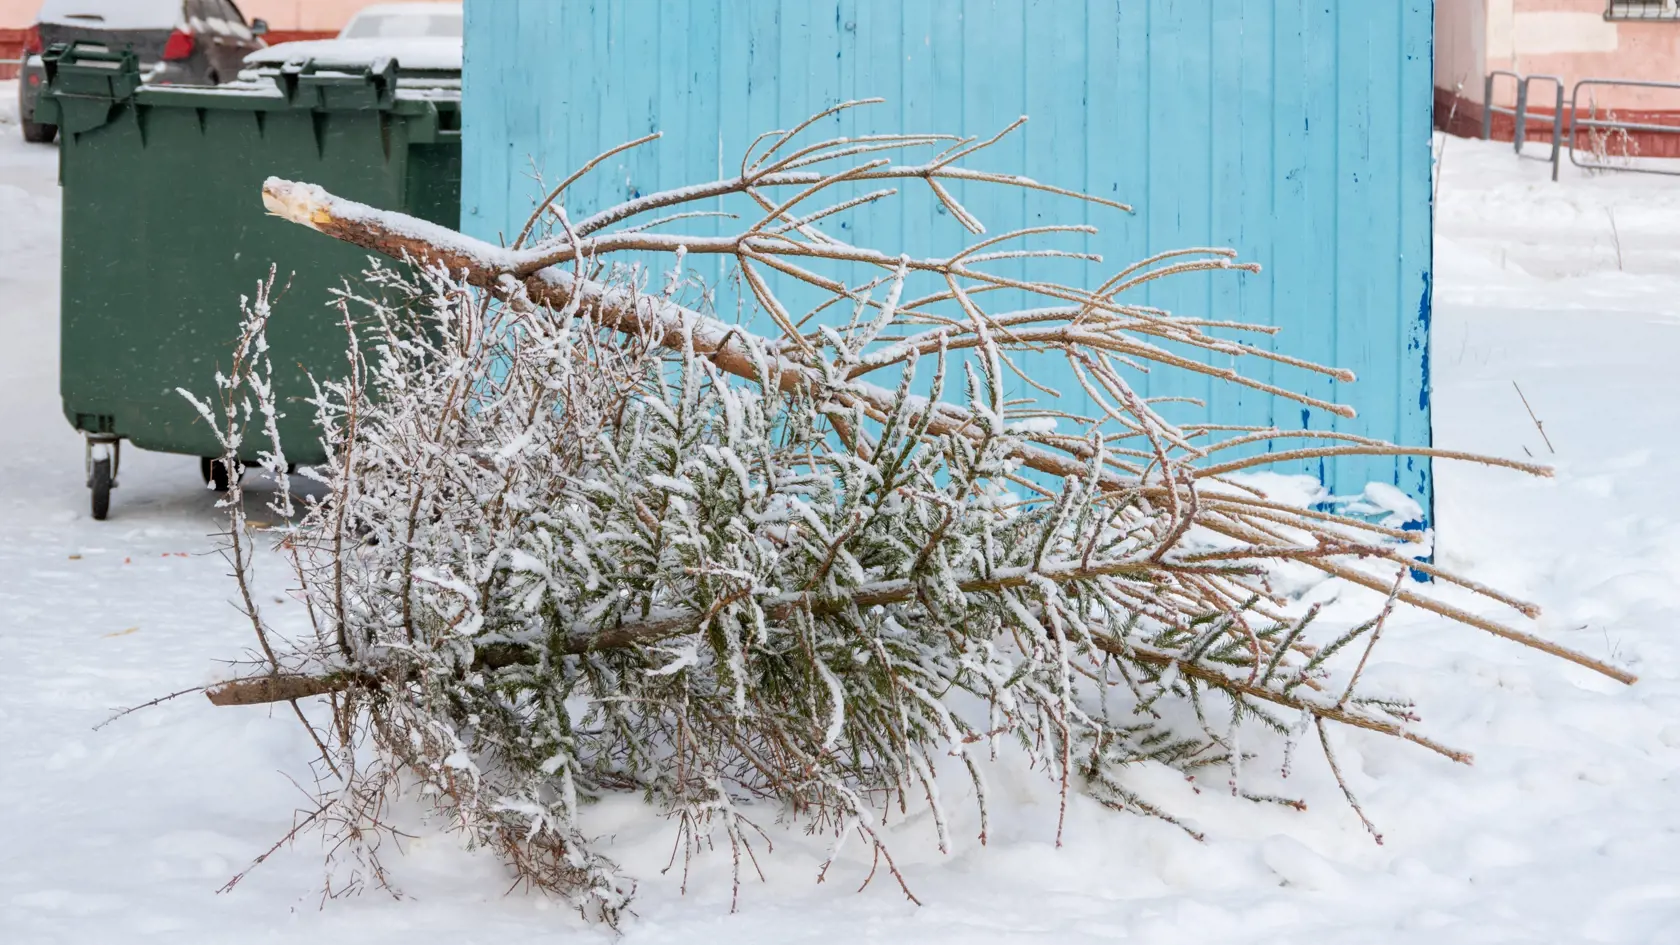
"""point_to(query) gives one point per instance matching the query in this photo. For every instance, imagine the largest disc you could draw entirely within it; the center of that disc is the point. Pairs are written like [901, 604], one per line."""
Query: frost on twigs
[584, 536]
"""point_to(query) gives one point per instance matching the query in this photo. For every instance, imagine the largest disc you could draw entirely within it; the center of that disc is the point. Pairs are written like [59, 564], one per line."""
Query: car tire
[39, 133]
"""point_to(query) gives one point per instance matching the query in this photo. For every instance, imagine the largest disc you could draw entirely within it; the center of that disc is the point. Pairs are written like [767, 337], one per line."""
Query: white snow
[1567, 828]
[113, 14]
[442, 54]
[219, 26]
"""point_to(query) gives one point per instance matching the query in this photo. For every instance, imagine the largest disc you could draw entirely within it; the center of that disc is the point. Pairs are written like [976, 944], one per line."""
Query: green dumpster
[164, 231]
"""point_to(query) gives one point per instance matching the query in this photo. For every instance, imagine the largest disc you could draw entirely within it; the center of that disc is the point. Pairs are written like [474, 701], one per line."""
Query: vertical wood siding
[1295, 131]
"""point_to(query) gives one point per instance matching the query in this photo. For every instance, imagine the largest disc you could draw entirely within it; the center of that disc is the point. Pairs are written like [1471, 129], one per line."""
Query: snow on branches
[583, 536]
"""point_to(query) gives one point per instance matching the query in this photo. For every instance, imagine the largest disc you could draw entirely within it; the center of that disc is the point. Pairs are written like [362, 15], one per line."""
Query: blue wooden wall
[1295, 131]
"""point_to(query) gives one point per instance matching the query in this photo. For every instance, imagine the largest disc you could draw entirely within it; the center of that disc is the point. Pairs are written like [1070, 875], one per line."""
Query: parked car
[421, 37]
[181, 42]
[405, 21]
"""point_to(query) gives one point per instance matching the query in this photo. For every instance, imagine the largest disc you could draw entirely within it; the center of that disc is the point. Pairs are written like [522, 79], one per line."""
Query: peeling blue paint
[1422, 577]
[1425, 316]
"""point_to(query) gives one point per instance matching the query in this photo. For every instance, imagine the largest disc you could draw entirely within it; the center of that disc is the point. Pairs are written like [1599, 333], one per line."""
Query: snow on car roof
[409, 53]
[404, 21]
[112, 14]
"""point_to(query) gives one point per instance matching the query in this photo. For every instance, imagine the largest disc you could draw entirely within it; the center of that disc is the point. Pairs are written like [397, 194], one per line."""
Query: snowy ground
[1567, 829]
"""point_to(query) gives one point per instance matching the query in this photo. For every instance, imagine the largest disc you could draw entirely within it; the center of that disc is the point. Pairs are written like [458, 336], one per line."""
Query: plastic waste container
[164, 231]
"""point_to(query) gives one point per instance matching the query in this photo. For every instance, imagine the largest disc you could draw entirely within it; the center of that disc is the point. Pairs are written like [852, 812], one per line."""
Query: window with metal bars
[1642, 10]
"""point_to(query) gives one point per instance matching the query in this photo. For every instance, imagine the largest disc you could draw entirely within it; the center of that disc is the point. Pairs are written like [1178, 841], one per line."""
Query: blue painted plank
[1416, 224]
[1178, 204]
[1109, 151]
[1233, 221]
[1291, 262]
[1358, 260]
[1255, 228]
[940, 106]
[1126, 110]
[993, 95]
[875, 43]
[1056, 100]
[1307, 235]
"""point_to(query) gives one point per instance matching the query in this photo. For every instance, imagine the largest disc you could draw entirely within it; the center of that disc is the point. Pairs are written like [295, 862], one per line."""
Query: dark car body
[178, 42]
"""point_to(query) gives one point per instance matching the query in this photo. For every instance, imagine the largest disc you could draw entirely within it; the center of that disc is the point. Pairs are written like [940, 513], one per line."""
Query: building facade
[1635, 40]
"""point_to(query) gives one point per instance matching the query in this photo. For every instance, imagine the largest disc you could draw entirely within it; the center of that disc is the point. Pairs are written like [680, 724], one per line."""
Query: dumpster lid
[86, 86]
[315, 84]
[85, 81]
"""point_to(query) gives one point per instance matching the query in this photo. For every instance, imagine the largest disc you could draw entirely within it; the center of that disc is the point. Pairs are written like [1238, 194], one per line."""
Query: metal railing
[1520, 115]
[1642, 10]
[1488, 108]
[1612, 124]
[1569, 123]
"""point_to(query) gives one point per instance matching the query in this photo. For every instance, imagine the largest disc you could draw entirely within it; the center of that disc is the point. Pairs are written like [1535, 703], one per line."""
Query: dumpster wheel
[213, 472]
[104, 452]
[99, 480]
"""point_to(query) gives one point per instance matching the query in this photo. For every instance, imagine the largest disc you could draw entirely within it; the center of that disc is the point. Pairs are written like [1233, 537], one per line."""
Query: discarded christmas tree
[582, 535]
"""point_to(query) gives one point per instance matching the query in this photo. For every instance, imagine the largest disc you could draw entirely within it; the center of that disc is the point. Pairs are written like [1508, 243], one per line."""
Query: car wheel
[39, 133]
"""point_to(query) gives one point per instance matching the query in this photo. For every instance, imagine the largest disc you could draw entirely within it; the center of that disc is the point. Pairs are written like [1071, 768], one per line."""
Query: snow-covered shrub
[582, 536]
